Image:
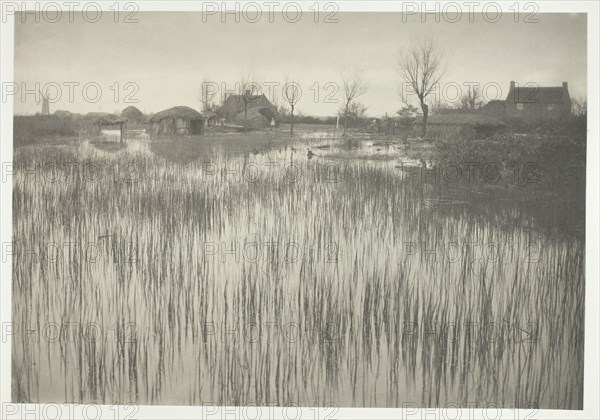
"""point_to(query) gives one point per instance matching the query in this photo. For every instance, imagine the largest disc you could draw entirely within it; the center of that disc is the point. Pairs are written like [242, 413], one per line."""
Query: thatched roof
[132, 113]
[177, 112]
[257, 113]
[110, 119]
[63, 114]
[472, 120]
[234, 105]
[537, 94]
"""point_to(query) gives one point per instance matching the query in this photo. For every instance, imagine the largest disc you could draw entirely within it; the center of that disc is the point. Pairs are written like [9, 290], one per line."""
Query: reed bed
[191, 286]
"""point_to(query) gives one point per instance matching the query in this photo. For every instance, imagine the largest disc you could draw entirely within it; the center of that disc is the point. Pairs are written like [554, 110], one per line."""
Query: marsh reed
[184, 285]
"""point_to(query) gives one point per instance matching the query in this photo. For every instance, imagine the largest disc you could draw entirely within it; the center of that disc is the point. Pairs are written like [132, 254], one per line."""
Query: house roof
[177, 112]
[234, 104]
[240, 98]
[258, 112]
[473, 120]
[132, 112]
[536, 94]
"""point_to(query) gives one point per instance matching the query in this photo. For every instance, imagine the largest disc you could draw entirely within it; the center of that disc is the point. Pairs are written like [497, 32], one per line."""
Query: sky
[162, 60]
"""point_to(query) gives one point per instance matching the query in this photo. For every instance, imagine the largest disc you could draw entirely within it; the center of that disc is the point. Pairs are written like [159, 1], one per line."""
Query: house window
[519, 107]
[550, 107]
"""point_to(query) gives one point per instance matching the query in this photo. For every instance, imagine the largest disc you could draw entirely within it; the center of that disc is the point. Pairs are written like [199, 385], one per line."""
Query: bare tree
[354, 87]
[579, 106]
[291, 94]
[357, 111]
[284, 112]
[249, 88]
[274, 97]
[422, 66]
[407, 111]
[208, 91]
[472, 99]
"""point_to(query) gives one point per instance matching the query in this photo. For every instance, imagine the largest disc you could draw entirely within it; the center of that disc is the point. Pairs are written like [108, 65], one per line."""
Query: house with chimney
[531, 103]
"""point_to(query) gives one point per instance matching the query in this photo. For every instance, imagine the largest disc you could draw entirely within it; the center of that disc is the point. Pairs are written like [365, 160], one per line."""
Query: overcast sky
[167, 55]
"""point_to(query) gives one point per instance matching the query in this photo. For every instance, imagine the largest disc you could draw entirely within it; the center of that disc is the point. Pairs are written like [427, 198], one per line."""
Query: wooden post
[122, 137]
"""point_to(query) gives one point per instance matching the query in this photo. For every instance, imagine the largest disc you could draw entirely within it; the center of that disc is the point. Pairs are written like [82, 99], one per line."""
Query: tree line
[421, 66]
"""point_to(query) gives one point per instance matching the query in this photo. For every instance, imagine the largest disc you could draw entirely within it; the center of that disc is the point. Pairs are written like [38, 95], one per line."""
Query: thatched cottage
[532, 103]
[179, 120]
[132, 114]
[260, 112]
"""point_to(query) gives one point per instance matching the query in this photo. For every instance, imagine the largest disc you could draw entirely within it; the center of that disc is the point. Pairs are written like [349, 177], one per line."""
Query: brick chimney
[512, 84]
[565, 86]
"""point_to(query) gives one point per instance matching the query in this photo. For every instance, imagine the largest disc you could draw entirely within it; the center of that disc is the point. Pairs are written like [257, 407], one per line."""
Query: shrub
[34, 128]
[437, 133]
[553, 159]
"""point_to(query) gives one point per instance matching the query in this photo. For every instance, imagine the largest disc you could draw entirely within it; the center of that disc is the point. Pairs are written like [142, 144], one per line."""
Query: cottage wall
[535, 110]
[566, 104]
[531, 106]
[182, 126]
[179, 126]
[177, 121]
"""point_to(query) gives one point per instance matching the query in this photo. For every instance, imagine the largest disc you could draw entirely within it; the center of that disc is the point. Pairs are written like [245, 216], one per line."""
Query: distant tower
[45, 104]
